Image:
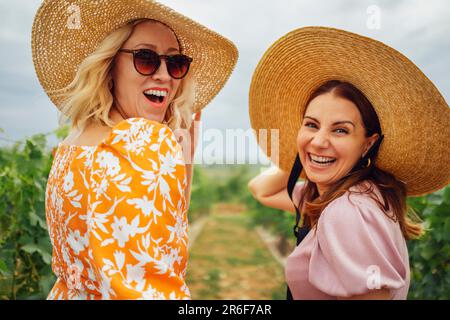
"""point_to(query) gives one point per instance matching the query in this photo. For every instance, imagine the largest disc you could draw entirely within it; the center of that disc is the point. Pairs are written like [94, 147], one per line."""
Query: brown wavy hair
[393, 191]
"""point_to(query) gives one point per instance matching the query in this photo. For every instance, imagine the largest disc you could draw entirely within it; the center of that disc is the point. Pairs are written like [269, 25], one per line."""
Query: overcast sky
[418, 28]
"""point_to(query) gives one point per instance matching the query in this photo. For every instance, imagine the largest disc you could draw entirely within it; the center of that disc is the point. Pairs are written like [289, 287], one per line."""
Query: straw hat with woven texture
[414, 117]
[59, 45]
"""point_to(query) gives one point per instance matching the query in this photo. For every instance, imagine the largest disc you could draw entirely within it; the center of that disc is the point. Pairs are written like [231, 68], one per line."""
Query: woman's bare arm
[270, 189]
[193, 138]
[189, 174]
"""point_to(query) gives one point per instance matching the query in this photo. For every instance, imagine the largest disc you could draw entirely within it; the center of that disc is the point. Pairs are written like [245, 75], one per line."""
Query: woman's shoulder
[139, 128]
[353, 234]
[91, 135]
[138, 149]
[360, 204]
[137, 123]
[363, 193]
[97, 134]
[137, 134]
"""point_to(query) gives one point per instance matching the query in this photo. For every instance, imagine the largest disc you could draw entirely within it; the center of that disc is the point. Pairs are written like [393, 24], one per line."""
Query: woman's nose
[320, 139]
[162, 74]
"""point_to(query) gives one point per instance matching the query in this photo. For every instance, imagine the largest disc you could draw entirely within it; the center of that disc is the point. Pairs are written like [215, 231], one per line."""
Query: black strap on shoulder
[299, 232]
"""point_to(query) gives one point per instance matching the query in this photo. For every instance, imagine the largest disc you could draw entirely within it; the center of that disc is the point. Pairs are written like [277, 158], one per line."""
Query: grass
[229, 261]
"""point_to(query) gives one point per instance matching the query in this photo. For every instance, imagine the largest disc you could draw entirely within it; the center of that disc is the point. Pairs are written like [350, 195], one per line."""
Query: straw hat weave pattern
[414, 117]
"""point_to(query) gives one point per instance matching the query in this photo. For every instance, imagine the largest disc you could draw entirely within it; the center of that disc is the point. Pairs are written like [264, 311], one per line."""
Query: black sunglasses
[147, 62]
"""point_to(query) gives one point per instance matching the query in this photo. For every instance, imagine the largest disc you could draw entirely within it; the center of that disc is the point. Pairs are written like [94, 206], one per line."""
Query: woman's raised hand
[194, 132]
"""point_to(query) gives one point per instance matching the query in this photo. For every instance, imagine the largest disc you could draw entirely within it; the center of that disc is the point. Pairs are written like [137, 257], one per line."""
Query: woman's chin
[150, 115]
[318, 178]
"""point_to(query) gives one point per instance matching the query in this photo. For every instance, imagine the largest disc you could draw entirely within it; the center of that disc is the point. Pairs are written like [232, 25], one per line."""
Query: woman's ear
[370, 142]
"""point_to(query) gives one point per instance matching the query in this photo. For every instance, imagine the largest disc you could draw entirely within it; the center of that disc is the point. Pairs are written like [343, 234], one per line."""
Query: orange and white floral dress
[116, 215]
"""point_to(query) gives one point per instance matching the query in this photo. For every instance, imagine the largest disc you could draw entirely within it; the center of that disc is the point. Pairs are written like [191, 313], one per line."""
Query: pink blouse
[355, 248]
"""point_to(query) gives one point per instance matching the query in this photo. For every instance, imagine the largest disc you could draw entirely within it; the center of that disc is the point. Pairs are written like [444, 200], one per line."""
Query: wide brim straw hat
[60, 42]
[414, 117]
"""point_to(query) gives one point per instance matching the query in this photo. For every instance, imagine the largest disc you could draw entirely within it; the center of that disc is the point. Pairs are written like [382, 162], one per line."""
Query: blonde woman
[128, 75]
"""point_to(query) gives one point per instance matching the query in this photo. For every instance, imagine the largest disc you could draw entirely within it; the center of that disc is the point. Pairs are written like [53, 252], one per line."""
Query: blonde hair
[88, 97]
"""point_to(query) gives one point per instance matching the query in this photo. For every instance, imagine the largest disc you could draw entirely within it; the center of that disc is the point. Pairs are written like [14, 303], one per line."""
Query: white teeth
[159, 93]
[321, 159]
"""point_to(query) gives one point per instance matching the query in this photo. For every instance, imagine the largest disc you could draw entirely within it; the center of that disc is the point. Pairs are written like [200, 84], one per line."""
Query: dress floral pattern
[116, 215]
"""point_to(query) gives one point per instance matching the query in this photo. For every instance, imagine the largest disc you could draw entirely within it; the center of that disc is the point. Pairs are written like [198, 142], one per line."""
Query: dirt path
[229, 261]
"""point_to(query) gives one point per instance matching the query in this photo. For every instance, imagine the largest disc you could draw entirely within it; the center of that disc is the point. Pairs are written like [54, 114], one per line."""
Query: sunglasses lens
[146, 61]
[178, 66]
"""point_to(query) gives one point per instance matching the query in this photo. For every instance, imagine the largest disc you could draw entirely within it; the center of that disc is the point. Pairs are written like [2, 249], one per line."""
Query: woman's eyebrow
[341, 122]
[335, 123]
[312, 118]
[153, 47]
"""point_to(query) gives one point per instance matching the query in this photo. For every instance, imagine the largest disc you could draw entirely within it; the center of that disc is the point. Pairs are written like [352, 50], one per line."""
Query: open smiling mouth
[157, 97]
[321, 161]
